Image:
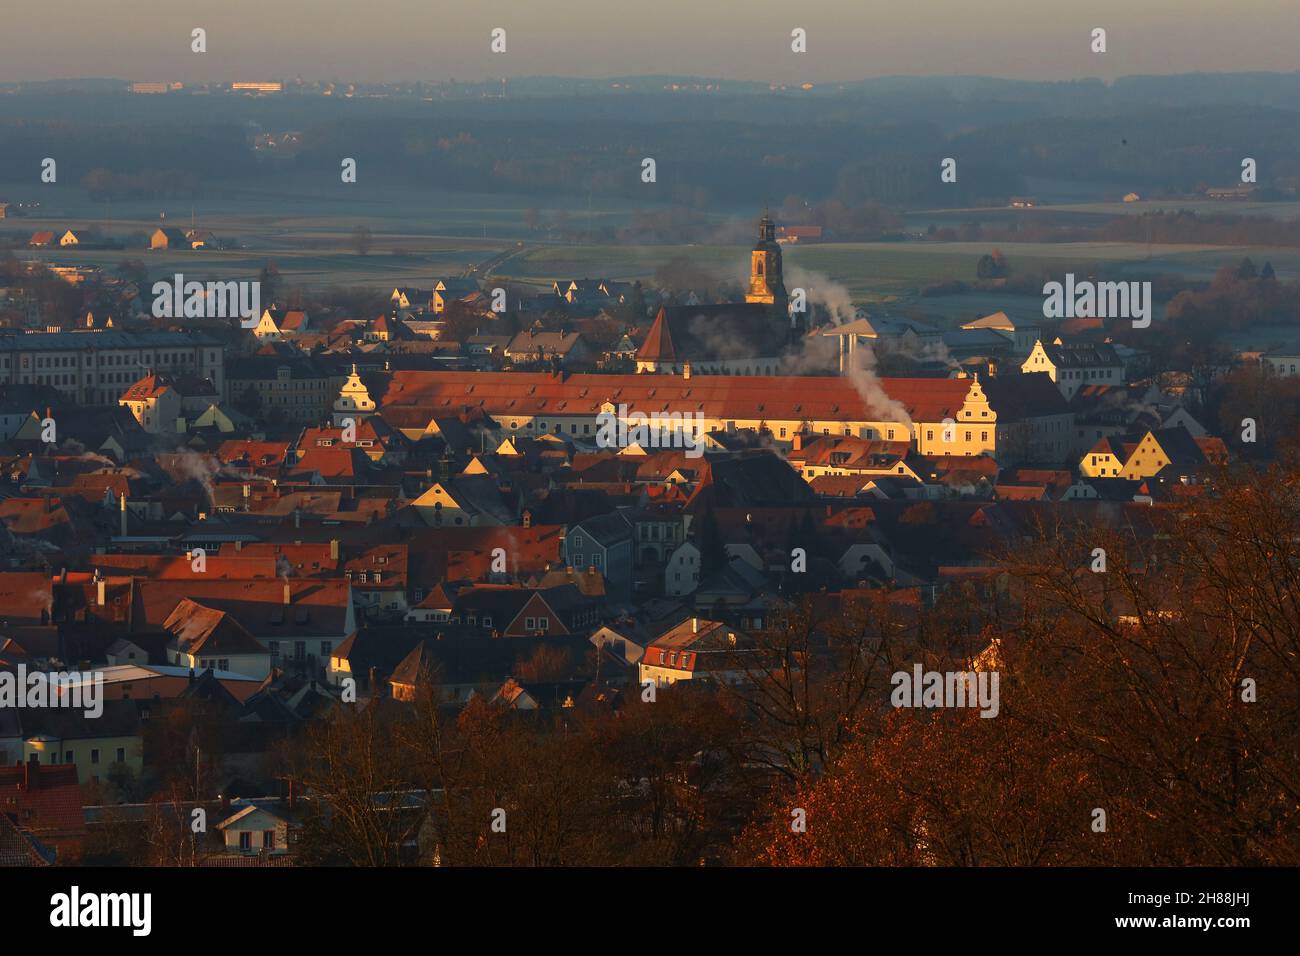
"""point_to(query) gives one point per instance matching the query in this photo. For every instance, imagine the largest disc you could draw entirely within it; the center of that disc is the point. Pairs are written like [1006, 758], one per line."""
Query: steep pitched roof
[658, 344]
[203, 630]
[152, 385]
[18, 847]
[46, 799]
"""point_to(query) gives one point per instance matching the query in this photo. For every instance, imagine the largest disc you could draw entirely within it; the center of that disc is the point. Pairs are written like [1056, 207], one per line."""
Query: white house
[682, 570]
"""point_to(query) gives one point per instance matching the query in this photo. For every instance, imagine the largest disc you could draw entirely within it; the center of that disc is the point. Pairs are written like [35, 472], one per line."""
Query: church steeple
[766, 280]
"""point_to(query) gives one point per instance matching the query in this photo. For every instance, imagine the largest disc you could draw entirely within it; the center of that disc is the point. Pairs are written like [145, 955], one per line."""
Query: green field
[417, 237]
[884, 270]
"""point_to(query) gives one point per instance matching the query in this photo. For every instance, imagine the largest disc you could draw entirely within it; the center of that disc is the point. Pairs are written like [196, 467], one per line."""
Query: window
[121, 755]
[543, 624]
[94, 756]
[268, 839]
[530, 623]
[245, 839]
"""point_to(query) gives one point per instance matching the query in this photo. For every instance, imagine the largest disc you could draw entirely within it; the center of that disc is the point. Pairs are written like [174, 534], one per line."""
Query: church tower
[766, 282]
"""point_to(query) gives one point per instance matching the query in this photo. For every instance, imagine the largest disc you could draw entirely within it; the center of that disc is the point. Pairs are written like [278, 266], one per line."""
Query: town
[557, 511]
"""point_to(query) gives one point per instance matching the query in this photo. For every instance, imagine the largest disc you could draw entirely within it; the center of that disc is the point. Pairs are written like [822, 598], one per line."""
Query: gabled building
[605, 543]
[533, 345]
[447, 291]
[169, 238]
[1023, 335]
[1072, 366]
[256, 828]
[697, 648]
[204, 638]
[155, 403]
[277, 324]
[730, 339]
[1172, 452]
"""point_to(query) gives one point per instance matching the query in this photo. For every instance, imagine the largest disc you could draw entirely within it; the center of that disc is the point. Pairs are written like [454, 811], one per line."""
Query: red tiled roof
[23, 596]
[203, 630]
[329, 463]
[45, 799]
[252, 451]
[33, 515]
[164, 567]
[258, 605]
[788, 398]
[658, 344]
[151, 386]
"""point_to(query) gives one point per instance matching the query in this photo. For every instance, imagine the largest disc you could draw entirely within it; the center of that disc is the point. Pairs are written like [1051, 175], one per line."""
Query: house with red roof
[203, 638]
[155, 404]
[45, 801]
[698, 648]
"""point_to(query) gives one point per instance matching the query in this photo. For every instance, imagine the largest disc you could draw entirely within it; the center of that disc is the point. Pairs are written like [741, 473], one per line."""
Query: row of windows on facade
[312, 386]
[299, 650]
[94, 756]
[530, 623]
[70, 361]
[658, 531]
[246, 839]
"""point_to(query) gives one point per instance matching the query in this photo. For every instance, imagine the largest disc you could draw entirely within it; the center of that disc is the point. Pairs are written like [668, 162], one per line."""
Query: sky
[434, 40]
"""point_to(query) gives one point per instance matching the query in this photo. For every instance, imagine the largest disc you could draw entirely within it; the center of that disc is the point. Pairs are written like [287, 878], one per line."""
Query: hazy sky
[374, 40]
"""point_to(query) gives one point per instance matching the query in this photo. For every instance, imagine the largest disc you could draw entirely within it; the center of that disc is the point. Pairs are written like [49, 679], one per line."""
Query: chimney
[248, 491]
[695, 625]
[32, 773]
[334, 549]
[122, 509]
[101, 588]
[286, 592]
[686, 370]
[239, 545]
[528, 519]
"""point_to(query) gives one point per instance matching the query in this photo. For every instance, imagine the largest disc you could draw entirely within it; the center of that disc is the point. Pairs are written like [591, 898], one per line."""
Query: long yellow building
[938, 416]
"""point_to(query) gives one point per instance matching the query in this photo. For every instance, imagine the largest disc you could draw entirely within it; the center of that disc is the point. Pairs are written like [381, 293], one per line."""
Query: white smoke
[76, 449]
[818, 351]
[200, 468]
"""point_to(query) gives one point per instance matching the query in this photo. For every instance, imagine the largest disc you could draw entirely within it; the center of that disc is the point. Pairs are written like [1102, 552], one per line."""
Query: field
[417, 237]
[894, 271]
